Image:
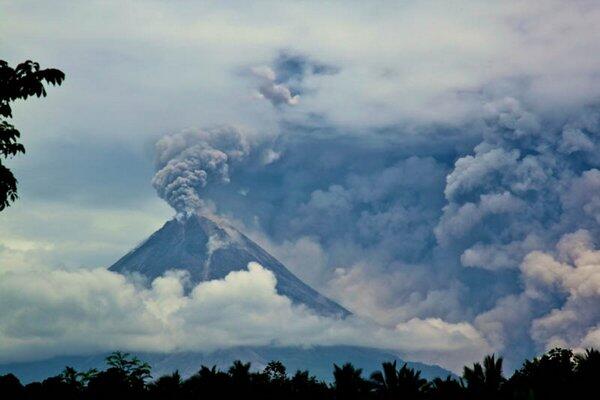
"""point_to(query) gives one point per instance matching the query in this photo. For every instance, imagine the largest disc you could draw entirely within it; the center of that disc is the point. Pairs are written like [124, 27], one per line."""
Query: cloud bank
[97, 310]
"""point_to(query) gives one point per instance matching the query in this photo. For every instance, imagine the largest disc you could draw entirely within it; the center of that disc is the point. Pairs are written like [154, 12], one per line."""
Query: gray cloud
[268, 88]
[282, 81]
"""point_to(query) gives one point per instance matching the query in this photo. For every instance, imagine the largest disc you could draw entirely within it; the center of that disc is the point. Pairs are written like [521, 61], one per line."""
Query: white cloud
[575, 273]
[56, 311]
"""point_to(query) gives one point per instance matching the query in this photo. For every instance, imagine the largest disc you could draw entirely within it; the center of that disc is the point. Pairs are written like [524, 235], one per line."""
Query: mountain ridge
[318, 360]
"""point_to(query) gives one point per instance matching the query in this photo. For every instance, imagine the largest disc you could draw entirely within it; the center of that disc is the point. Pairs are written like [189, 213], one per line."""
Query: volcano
[209, 248]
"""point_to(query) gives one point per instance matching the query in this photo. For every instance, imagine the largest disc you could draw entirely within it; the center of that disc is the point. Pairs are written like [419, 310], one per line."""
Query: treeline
[558, 374]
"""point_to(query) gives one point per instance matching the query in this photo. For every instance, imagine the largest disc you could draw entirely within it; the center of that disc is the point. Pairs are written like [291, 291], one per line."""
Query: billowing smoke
[268, 88]
[186, 162]
[420, 228]
[526, 185]
[529, 184]
[281, 82]
[433, 225]
[574, 272]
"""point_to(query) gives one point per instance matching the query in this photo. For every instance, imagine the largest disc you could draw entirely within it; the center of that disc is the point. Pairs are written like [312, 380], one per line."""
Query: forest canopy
[558, 374]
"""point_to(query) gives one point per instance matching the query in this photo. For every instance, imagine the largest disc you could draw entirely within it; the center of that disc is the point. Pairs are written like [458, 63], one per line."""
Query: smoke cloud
[282, 82]
[186, 162]
[449, 234]
[276, 93]
[429, 229]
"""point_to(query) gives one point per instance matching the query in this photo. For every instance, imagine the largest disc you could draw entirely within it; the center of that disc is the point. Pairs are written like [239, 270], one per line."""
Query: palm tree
[588, 364]
[587, 371]
[386, 382]
[71, 377]
[404, 383]
[240, 379]
[348, 382]
[135, 370]
[485, 382]
[77, 380]
[446, 389]
[239, 371]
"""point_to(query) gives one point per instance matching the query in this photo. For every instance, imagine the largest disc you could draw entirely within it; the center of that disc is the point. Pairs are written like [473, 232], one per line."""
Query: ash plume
[188, 161]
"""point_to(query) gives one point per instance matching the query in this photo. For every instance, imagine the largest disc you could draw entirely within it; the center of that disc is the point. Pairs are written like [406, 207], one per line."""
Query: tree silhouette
[167, 387]
[348, 382]
[484, 381]
[558, 374]
[11, 387]
[21, 82]
[126, 375]
[57, 388]
[305, 386]
[136, 370]
[210, 382]
[275, 371]
[239, 373]
[550, 376]
[273, 382]
[405, 383]
[446, 389]
[587, 371]
[77, 380]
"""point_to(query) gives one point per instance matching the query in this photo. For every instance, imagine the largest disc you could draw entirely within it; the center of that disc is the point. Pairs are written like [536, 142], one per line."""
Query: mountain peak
[207, 247]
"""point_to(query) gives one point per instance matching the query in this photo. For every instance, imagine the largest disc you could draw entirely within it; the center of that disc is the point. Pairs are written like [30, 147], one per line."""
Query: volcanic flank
[208, 248]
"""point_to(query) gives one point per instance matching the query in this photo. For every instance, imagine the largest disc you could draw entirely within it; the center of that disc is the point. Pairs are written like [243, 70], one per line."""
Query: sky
[429, 165]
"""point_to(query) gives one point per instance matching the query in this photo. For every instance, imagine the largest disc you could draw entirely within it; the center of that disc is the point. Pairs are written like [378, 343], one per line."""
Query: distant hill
[318, 360]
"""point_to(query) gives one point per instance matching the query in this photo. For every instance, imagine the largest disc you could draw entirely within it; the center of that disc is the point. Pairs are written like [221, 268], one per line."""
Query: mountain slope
[210, 249]
[318, 360]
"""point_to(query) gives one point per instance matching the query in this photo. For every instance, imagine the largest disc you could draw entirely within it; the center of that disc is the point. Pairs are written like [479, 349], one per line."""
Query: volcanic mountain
[208, 248]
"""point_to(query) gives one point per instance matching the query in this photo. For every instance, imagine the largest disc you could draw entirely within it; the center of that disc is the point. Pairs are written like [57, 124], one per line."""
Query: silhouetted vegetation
[558, 374]
[26, 80]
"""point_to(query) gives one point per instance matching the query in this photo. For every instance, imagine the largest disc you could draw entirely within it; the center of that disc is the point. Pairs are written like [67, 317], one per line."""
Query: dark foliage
[484, 382]
[348, 383]
[26, 80]
[558, 374]
[405, 383]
